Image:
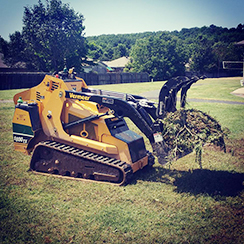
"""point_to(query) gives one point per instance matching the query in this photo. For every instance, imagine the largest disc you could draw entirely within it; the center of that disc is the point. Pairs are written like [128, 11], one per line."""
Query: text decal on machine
[21, 138]
[74, 95]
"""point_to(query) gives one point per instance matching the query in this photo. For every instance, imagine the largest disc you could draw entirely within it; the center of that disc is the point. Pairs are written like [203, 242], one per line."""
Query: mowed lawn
[175, 203]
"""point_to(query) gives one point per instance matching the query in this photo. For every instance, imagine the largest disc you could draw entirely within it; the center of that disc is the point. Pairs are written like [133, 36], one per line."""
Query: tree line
[166, 54]
[53, 37]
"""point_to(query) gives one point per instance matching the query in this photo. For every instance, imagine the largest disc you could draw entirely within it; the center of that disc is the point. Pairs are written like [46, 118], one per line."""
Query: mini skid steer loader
[78, 132]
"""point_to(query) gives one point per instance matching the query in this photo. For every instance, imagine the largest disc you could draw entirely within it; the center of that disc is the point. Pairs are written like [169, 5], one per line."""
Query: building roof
[117, 63]
[240, 43]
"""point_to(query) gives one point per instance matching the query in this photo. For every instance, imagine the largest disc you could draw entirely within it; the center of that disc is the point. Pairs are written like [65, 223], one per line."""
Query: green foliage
[14, 51]
[203, 48]
[53, 36]
[188, 130]
[203, 58]
[94, 51]
[3, 45]
[162, 56]
[114, 46]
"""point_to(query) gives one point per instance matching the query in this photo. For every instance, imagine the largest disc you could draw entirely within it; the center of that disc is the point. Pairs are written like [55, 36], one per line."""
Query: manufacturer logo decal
[77, 96]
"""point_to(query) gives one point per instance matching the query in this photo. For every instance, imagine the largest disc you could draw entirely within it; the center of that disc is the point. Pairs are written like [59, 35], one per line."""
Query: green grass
[216, 89]
[132, 88]
[175, 203]
[9, 94]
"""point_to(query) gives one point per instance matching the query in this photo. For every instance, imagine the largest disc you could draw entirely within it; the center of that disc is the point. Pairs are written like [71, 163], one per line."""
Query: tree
[3, 45]
[53, 34]
[95, 51]
[120, 51]
[203, 58]
[13, 50]
[161, 56]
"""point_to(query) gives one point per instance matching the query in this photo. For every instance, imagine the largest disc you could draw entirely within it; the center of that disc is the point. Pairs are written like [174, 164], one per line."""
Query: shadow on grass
[199, 181]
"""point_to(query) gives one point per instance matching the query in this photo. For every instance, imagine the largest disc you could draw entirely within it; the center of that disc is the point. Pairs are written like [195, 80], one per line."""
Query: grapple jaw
[167, 103]
[168, 94]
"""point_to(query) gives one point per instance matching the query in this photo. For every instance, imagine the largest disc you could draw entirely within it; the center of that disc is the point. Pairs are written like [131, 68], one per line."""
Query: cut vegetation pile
[188, 130]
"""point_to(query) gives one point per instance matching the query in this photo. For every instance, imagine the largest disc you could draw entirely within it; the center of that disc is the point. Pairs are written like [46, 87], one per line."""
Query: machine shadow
[200, 181]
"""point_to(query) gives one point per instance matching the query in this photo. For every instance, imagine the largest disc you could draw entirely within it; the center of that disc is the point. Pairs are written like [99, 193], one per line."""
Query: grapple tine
[167, 95]
[186, 86]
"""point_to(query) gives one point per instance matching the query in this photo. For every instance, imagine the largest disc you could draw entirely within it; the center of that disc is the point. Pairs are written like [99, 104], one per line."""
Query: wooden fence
[114, 78]
[16, 80]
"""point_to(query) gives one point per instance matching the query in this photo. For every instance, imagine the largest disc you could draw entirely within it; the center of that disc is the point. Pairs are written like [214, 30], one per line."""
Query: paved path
[239, 92]
[155, 94]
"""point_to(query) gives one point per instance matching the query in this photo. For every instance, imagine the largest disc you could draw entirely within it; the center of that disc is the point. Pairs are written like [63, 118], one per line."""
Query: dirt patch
[235, 147]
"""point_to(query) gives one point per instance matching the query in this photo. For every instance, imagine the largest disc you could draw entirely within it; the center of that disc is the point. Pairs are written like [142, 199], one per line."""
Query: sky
[134, 16]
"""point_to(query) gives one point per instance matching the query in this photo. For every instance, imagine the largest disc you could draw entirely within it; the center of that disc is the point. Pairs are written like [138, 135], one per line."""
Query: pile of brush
[189, 130]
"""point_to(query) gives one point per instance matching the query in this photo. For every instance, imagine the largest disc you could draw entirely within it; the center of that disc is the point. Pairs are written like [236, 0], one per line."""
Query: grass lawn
[175, 203]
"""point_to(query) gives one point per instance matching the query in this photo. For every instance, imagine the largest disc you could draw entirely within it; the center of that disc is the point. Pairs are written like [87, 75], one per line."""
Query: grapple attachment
[168, 94]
